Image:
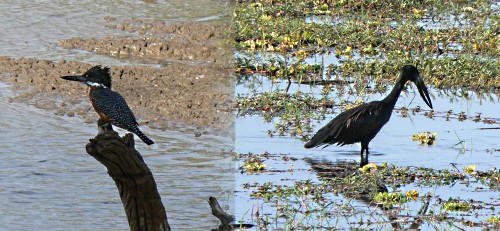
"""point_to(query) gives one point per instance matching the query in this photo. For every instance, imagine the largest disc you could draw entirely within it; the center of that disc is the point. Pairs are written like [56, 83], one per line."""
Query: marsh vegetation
[300, 63]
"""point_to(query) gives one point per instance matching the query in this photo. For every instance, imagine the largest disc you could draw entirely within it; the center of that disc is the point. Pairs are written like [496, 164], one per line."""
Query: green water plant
[456, 205]
[390, 198]
[425, 138]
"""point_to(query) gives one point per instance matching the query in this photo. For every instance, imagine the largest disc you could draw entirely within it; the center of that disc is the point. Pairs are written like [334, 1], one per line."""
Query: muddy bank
[197, 94]
[200, 43]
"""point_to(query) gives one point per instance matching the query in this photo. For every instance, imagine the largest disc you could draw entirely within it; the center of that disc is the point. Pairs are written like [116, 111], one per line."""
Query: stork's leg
[364, 158]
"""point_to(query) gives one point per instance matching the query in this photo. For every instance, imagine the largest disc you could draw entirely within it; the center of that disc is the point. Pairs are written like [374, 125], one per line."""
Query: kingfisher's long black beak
[422, 89]
[78, 78]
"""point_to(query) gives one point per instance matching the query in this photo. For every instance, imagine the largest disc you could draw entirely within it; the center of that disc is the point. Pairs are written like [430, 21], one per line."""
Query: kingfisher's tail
[143, 137]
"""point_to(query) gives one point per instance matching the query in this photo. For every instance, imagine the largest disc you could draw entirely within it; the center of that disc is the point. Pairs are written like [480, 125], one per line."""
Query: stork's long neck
[392, 98]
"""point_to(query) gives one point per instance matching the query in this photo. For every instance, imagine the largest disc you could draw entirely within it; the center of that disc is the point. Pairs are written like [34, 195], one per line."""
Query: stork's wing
[354, 125]
[114, 106]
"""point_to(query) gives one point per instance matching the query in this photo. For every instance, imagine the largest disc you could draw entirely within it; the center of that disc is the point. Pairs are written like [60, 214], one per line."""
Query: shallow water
[395, 138]
[459, 144]
[34, 28]
[393, 145]
[47, 181]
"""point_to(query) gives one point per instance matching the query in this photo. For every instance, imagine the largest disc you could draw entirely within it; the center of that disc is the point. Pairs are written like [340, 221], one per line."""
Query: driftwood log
[134, 180]
[225, 218]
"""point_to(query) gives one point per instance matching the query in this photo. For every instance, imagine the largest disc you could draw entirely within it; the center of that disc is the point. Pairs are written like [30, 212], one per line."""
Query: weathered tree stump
[134, 180]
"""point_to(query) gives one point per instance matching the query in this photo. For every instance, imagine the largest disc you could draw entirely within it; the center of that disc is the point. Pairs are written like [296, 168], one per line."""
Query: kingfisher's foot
[104, 126]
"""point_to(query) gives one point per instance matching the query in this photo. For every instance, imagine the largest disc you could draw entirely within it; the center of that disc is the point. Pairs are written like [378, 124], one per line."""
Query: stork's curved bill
[422, 89]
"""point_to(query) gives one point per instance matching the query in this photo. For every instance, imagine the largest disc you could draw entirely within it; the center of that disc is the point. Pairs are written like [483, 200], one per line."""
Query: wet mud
[160, 42]
[190, 85]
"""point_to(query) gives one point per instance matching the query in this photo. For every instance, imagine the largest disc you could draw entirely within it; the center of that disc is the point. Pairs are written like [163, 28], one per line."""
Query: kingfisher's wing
[114, 106]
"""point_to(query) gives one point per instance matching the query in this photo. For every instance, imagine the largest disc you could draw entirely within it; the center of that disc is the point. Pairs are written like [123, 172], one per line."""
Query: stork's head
[410, 73]
[96, 76]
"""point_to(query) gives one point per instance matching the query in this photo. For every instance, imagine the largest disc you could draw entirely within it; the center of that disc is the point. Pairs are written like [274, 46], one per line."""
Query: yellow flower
[467, 9]
[348, 50]
[355, 104]
[470, 169]
[266, 17]
[418, 13]
[369, 167]
[301, 54]
[270, 47]
[368, 49]
[425, 138]
[338, 52]
[413, 194]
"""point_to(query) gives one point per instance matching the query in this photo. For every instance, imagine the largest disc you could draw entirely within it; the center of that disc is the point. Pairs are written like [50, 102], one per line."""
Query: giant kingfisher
[110, 105]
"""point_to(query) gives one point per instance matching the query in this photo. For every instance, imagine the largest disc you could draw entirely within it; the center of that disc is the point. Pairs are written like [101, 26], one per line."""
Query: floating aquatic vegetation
[470, 169]
[391, 198]
[425, 138]
[333, 198]
[445, 52]
[372, 167]
[253, 164]
[456, 205]
[494, 219]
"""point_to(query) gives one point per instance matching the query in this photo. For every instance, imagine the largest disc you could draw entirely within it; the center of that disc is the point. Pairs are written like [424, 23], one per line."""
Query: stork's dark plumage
[362, 123]
[110, 105]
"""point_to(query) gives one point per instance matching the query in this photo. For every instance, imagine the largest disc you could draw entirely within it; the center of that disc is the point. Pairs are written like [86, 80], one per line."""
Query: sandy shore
[193, 88]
